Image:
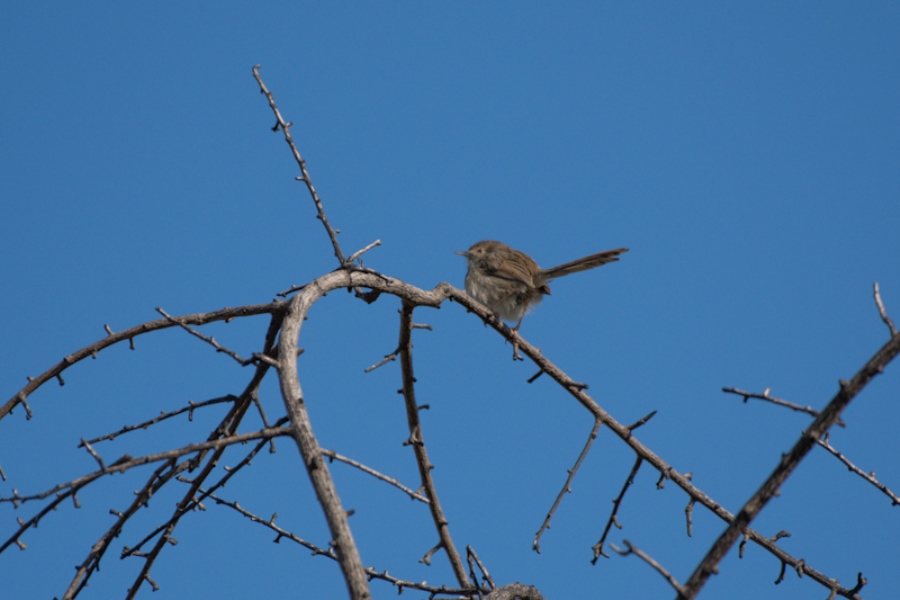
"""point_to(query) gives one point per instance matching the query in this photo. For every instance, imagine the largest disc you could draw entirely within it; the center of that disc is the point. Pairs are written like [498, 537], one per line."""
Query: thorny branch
[331, 454]
[372, 573]
[472, 557]
[226, 314]
[418, 297]
[127, 462]
[285, 127]
[567, 487]
[190, 408]
[417, 441]
[190, 499]
[302, 432]
[343, 548]
[870, 477]
[765, 396]
[630, 549]
[848, 390]
[228, 426]
[208, 339]
[613, 518]
[625, 434]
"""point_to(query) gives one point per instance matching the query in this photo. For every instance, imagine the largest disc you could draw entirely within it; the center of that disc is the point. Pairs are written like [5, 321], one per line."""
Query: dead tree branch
[630, 549]
[883, 313]
[331, 454]
[285, 127]
[790, 461]
[226, 314]
[567, 487]
[613, 519]
[870, 477]
[765, 396]
[190, 408]
[301, 429]
[417, 441]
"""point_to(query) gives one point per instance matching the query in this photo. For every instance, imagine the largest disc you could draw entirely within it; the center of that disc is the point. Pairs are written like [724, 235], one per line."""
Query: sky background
[749, 156]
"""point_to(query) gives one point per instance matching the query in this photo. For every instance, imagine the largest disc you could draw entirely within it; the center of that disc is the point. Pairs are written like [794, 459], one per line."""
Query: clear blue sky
[748, 155]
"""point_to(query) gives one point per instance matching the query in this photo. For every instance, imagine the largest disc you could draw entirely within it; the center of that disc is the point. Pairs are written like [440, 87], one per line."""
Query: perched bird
[510, 283]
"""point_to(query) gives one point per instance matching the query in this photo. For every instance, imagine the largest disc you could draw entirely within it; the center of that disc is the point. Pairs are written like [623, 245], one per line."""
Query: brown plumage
[510, 283]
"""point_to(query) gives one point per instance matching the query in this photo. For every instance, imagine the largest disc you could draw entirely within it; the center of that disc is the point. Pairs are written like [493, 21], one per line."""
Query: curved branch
[129, 334]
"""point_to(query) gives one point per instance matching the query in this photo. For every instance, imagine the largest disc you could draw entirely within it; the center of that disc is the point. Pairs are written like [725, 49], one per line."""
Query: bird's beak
[462, 253]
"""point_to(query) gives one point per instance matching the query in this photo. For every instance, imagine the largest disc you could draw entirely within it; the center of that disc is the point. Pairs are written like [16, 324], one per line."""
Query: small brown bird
[510, 283]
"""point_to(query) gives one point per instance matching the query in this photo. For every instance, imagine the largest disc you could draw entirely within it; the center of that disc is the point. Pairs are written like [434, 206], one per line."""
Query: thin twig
[613, 518]
[642, 421]
[411, 493]
[387, 358]
[329, 552]
[646, 558]
[162, 475]
[128, 462]
[92, 452]
[162, 417]
[362, 251]
[887, 320]
[765, 396]
[208, 339]
[870, 477]
[192, 500]
[470, 553]
[566, 489]
[129, 334]
[285, 127]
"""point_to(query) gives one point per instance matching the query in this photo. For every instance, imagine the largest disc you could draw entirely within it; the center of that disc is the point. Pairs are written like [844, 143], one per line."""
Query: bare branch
[317, 469]
[642, 421]
[411, 493]
[387, 358]
[765, 396]
[613, 520]
[285, 127]
[848, 391]
[566, 489]
[418, 297]
[208, 339]
[227, 427]
[646, 558]
[418, 445]
[887, 320]
[329, 552]
[158, 478]
[362, 251]
[870, 477]
[130, 334]
[189, 499]
[472, 556]
[128, 462]
[688, 515]
[93, 453]
[162, 417]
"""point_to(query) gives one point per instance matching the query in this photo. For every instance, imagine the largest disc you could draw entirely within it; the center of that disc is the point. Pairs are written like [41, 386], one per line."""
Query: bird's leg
[524, 310]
